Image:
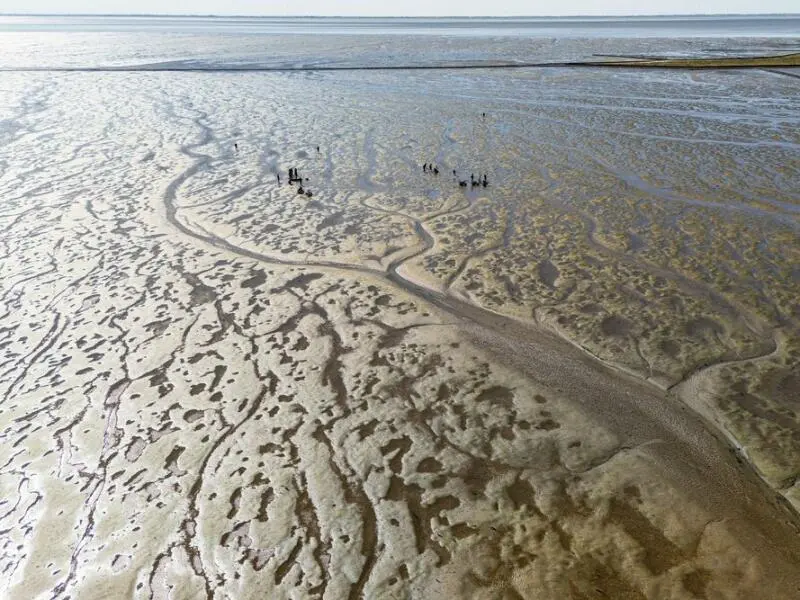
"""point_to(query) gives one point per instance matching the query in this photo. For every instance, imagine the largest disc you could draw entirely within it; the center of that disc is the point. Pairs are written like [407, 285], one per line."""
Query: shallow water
[198, 42]
[213, 382]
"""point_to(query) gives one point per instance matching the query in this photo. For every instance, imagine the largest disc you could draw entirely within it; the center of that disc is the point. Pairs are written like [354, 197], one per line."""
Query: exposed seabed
[578, 380]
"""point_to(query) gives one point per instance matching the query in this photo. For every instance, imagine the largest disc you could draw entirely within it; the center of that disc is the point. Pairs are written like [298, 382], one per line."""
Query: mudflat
[526, 333]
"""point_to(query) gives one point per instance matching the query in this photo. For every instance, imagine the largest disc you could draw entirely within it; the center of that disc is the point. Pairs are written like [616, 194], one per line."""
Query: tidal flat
[581, 380]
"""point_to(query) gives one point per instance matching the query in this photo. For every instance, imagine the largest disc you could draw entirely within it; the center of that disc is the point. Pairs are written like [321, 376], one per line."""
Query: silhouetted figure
[278, 175]
[462, 183]
[235, 146]
[300, 190]
[454, 172]
[309, 194]
[317, 148]
[471, 178]
[485, 180]
[435, 171]
[484, 115]
[424, 167]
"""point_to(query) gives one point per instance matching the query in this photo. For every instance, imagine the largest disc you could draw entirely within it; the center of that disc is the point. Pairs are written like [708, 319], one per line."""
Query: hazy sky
[406, 7]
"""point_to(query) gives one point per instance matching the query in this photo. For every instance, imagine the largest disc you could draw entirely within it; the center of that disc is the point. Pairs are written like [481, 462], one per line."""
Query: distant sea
[660, 26]
[201, 42]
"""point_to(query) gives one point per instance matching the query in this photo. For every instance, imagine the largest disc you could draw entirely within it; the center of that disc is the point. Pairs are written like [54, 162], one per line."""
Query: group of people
[482, 180]
[295, 177]
[476, 182]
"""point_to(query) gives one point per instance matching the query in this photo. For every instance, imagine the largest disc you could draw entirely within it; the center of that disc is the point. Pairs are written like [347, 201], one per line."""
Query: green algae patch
[736, 62]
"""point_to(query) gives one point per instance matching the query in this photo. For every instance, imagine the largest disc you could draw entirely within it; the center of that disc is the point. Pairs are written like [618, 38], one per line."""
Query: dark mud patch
[548, 273]
[700, 327]
[616, 326]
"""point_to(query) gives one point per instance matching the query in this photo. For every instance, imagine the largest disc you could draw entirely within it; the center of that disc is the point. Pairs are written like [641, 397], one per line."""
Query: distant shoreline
[754, 62]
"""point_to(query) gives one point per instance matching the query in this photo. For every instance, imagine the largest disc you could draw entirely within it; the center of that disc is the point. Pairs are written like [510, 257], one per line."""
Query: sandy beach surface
[580, 380]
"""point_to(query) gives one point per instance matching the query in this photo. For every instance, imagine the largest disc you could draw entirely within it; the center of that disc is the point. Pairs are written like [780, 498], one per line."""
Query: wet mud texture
[577, 382]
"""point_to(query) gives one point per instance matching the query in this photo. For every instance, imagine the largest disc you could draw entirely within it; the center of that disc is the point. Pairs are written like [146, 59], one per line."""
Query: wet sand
[576, 382]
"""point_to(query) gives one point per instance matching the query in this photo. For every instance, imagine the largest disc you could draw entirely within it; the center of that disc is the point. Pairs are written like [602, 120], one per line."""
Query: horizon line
[322, 16]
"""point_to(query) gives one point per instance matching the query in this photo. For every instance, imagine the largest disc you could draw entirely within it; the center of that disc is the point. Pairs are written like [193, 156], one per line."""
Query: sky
[404, 8]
